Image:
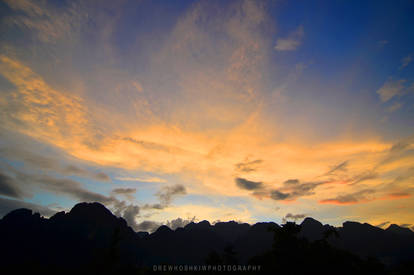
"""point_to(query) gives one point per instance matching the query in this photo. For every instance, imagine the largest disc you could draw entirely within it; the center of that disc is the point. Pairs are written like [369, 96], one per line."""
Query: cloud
[407, 225]
[341, 167]
[291, 182]
[291, 42]
[205, 110]
[9, 188]
[398, 150]
[54, 164]
[74, 170]
[390, 89]
[50, 163]
[247, 184]
[364, 176]
[168, 193]
[149, 226]
[179, 222]
[398, 195]
[351, 198]
[405, 61]
[127, 192]
[8, 205]
[61, 186]
[277, 195]
[70, 188]
[124, 190]
[394, 107]
[38, 111]
[383, 224]
[248, 166]
[155, 146]
[293, 217]
[130, 214]
[293, 189]
[47, 23]
[142, 179]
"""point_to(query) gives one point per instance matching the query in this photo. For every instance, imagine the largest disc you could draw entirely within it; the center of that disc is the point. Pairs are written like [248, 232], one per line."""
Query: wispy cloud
[406, 61]
[394, 107]
[169, 192]
[126, 192]
[47, 22]
[351, 198]
[390, 89]
[248, 166]
[291, 42]
[49, 163]
[341, 167]
[142, 179]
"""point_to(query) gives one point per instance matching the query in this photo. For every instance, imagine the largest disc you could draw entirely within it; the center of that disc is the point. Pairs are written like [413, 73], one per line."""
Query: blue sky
[218, 110]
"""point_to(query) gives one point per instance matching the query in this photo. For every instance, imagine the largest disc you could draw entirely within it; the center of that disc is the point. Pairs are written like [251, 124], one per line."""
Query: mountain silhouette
[89, 238]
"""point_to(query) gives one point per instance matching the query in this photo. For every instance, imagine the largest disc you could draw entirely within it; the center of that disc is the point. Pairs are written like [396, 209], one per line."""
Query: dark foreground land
[91, 240]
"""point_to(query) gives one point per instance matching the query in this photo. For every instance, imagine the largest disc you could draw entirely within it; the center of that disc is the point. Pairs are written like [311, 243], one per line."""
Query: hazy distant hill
[90, 238]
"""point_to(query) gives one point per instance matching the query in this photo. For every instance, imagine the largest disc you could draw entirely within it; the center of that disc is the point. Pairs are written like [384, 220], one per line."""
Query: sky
[175, 111]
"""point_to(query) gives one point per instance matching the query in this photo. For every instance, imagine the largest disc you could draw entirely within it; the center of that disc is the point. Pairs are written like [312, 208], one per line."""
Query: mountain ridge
[92, 231]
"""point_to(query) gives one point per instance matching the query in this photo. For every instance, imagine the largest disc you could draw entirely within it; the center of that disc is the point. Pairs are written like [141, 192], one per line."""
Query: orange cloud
[208, 157]
[397, 195]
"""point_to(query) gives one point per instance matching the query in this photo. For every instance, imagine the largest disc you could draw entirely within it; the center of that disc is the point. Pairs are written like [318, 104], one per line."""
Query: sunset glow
[217, 110]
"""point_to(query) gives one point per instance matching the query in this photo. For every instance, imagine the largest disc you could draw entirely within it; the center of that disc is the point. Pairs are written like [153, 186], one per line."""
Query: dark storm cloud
[247, 184]
[351, 197]
[248, 166]
[9, 187]
[7, 205]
